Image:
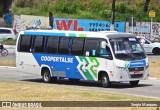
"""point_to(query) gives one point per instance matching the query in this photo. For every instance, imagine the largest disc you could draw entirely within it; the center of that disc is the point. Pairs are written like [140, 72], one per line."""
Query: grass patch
[7, 62]
[8, 42]
[14, 91]
[154, 68]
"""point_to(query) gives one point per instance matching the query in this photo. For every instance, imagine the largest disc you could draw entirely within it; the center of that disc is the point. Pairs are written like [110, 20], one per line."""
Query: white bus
[78, 55]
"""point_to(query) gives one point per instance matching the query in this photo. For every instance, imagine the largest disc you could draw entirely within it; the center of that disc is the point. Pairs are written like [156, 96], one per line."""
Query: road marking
[152, 78]
[8, 67]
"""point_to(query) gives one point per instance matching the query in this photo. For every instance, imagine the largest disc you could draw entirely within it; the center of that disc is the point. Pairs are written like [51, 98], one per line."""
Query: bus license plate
[137, 72]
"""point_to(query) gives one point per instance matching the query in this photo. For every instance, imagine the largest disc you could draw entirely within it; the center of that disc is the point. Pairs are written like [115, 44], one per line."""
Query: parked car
[7, 33]
[150, 47]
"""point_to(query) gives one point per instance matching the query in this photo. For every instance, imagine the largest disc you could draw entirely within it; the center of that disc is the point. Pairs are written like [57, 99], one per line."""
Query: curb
[152, 78]
[12, 67]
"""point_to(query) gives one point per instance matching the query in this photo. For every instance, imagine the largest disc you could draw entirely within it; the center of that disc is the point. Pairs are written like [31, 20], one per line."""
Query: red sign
[62, 25]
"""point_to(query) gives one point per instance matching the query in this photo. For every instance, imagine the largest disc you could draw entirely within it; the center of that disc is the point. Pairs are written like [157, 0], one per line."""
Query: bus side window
[77, 46]
[63, 45]
[52, 44]
[39, 45]
[91, 47]
[25, 43]
[104, 52]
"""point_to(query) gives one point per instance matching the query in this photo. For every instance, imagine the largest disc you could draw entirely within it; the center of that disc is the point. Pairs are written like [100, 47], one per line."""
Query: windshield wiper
[131, 55]
[125, 56]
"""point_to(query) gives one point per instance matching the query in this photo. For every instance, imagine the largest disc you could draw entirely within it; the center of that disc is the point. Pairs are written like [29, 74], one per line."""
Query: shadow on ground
[87, 83]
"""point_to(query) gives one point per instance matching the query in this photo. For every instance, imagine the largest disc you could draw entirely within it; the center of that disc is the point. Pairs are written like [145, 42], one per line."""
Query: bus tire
[134, 83]
[104, 79]
[46, 76]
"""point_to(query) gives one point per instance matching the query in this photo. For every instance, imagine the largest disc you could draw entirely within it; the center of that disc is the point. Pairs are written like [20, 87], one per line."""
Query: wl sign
[86, 25]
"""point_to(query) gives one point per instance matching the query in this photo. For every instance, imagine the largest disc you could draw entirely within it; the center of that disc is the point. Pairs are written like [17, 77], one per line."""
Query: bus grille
[136, 69]
[136, 75]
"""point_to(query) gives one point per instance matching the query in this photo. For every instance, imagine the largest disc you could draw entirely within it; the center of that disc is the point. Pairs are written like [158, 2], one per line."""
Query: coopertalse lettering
[57, 59]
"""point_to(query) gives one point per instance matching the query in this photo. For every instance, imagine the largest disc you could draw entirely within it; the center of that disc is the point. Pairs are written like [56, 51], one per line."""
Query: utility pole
[146, 3]
[112, 16]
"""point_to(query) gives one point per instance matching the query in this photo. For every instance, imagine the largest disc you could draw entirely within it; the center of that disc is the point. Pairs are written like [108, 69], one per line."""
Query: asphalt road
[147, 88]
[153, 57]
[11, 56]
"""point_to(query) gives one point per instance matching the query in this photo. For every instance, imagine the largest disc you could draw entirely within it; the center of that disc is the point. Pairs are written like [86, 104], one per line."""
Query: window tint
[146, 42]
[91, 46]
[77, 46]
[5, 31]
[39, 44]
[52, 46]
[64, 45]
[25, 43]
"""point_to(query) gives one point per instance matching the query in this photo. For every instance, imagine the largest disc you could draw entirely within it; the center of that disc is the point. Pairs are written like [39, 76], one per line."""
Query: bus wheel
[134, 83]
[46, 76]
[105, 81]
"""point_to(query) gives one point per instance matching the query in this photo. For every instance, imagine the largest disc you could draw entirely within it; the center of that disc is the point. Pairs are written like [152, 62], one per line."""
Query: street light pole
[112, 16]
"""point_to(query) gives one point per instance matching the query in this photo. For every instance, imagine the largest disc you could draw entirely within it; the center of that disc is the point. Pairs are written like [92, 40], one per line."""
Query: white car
[150, 47]
[7, 33]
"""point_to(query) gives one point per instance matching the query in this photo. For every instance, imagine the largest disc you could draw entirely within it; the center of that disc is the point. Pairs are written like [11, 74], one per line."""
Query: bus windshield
[127, 48]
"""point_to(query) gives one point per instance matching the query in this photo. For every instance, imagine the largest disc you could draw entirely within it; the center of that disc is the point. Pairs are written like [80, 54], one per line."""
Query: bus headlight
[121, 68]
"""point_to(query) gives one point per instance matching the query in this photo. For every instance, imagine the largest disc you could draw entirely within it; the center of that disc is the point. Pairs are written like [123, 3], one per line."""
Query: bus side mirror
[103, 44]
[110, 57]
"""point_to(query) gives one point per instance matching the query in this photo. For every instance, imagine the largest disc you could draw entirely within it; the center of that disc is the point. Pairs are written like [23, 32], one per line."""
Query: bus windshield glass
[127, 48]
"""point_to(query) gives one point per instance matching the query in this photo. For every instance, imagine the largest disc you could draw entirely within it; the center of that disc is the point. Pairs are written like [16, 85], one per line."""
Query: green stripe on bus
[96, 65]
[82, 35]
[86, 73]
[72, 34]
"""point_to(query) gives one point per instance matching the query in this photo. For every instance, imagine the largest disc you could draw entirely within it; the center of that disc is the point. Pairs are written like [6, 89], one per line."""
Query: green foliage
[88, 9]
[20, 3]
[8, 42]
[24, 3]
[122, 8]
[141, 16]
[43, 7]
[88, 15]
[139, 2]
[152, 7]
[96, 5]
[67, 7]
[106, 13]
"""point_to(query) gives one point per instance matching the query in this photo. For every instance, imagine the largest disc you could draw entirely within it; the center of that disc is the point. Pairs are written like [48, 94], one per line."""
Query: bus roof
[109, 34]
